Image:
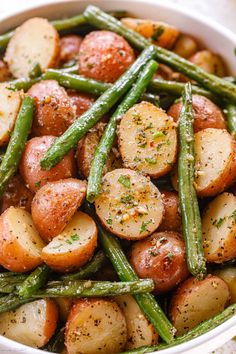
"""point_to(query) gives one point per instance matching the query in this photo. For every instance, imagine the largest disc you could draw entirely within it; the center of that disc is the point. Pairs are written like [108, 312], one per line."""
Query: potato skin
[5, 74]
[160, 257]
[210, 62]
[54, 205]
[80, 101]
[69, 47]
[185, 46]
[17, 195]
[171, 219]
[104, 56]
[54, 112]
[30, 168]
[206, 114]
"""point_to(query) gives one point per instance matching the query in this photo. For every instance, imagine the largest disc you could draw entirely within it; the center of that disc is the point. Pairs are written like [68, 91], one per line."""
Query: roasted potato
[210, 62]
[31, 170]
[148, 140]
[35, 41]
[219, 229]
[104, 56]
[206, 114]
[139, 330]
[185, 46]
[74, 246]
[80, 101]
[196, 301]
[9, 107]
[20, 243]
[95, 326]
[163, 72]
[54, 112]
[160, 33]
[229, 276]
[160, 257]
[129, 205]
[54, 205]
[215, 151]
[31, 324]
[17, 195]
[69, 47]
[64, 306]
[171, 219]
[5, 74]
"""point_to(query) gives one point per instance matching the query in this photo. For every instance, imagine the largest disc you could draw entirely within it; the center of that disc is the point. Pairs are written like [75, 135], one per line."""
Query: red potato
[215, 166]
[95, 326]
[20, 243]
[31, 170]
[210, 62]
[64, 306]
[35, 41]
[129, 205]
[104, 56]
[160, 257]
[161, 33]
[163, 72]
[5, 74]
[54, 205]
[80, 101]
[54, 112]
[196, 301]
[69, 47]
[32, 324]
[185, 46]
[74, 246]
[219, 229]
[228, 274]
[171, 219]
[206, 114]
[17, 195]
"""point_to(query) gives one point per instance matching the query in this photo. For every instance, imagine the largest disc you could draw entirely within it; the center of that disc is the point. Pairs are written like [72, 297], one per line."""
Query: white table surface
[223, 11]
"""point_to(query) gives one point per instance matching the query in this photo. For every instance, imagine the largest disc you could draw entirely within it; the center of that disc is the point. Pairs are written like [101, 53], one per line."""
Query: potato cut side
[140, 331]
[95, 326]
[229, 276]
[215, 151]
[35, 41]
[161, 33]
[219, 229]
[32, 324]
[197, 301]
[20, 243]
[87, 147]
[74, 246]
[10, 102]
[148, 140]
[130, 205]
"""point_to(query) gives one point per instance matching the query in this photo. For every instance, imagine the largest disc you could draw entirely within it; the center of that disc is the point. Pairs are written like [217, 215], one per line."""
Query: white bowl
[212, 35]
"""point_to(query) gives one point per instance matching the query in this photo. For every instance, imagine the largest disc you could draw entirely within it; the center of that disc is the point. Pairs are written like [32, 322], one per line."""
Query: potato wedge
[35, 41]
[86, 150]
[95, 326]
[215, 151]
[229, 276]
[20, 243]
[130, 205]
[148, 140]
[210, 62]
[74, 246]
[54, 205]
[219, 229]
[196, 301]
[185, 46]
[139, 330]
[171, 219]
[161, 33]
[32, 324]
[9, 107]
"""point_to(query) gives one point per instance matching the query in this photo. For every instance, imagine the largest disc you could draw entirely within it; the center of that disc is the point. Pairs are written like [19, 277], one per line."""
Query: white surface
[224, 12]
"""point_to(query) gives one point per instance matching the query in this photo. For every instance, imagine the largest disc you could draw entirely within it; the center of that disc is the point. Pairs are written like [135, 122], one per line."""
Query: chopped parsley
[233, 215]
[37, 184]
[126, 199]
[109, 221]
[144, 226]
[157, 33]
[150, 160]
[158, 135]
[75, 237]
[218, 223]
[170, 256]
[124, 180]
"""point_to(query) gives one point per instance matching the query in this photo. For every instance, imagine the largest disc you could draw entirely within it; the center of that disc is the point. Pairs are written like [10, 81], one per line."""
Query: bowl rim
[201, 19]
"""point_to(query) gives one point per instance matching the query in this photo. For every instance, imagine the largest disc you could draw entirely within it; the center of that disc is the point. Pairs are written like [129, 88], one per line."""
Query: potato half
[148, 140]
[219, 229]
[229, 276]
[95, 326]
[35, 41]
[74, 246]
[130, 205]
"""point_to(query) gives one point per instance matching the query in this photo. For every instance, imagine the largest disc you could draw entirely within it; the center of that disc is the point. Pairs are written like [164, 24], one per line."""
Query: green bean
[34, 281]
[217, 85]
[146, 302]
[36, 71]
[105, 145]
[17, 142]
[197, 331]
[231, 118]
[89, 288]
[191, 218]
[11, 302]
[8, 286]
[87, 120]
